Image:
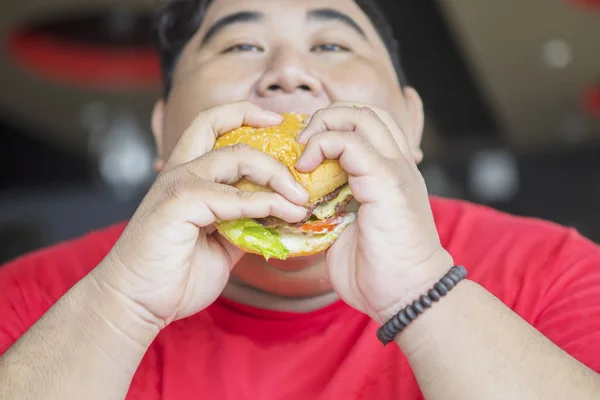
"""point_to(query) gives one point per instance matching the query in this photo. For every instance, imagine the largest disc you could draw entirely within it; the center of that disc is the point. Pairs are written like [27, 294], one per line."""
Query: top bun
[280, 143]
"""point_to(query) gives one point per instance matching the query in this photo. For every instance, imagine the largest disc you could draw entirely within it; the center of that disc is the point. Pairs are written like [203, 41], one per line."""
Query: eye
[243, 47]
[330, 47]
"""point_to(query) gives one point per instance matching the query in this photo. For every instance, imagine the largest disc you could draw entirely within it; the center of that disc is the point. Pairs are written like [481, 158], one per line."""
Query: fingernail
[300, 190]
[273, 116]
[303, 211]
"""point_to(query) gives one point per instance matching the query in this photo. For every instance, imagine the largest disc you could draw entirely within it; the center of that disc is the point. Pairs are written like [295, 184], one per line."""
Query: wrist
[435, 324]
[133, 290]
[103, 300]
[422, 278]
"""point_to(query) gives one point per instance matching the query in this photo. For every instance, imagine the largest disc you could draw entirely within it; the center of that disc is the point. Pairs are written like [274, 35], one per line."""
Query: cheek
[362, 82]
[222, 83]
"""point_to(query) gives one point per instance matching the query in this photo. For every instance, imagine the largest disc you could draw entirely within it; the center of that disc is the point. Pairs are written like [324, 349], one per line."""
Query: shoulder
[472, 231]
[547, 273]
[43, 276]
[516, 258]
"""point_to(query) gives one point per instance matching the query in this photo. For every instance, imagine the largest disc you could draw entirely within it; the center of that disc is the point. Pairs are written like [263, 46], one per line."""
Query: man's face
[286, 56]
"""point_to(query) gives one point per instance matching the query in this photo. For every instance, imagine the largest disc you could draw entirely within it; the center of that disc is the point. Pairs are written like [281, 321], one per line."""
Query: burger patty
[326, 198]
[272, 222]
[339, 207]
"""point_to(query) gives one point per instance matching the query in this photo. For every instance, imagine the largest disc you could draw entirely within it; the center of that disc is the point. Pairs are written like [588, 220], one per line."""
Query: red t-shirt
[547, 274]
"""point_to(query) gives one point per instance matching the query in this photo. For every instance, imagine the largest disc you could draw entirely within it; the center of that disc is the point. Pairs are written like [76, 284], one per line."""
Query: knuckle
[179, 182]
[319, 114]
[204, 115]
[367, 112]
[176, 187]
[163, 177]
[274, 170]
[240, 148]
[213, 187]
[314, 140]
[349, 136]
[245, 196]
[167, 179]
[205, 167]
[233, 149]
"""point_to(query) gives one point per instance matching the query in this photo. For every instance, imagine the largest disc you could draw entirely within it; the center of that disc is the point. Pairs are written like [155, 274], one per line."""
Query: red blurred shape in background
[592, 5]
[83, 65]
[592, 101]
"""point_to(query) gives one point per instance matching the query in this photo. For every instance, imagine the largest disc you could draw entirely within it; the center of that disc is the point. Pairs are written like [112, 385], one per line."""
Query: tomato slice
[327, 225]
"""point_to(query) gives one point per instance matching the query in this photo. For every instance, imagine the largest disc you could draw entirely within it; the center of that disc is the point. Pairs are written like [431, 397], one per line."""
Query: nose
[288, 73]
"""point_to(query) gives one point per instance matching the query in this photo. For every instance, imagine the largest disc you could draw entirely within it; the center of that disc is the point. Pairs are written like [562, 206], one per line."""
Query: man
[167, 309]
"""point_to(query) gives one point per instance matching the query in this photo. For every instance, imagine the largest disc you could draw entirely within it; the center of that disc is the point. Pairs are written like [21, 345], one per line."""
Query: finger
[202, 203]
[226, 203]
[234, 253]
[230, 164]
[385, 116]
[362, 120]
[370, 174]
[356, 156]
[240, 204]
[200, 137]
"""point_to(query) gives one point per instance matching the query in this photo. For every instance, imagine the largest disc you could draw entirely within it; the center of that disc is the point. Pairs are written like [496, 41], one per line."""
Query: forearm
[471, 346]
[87, 346]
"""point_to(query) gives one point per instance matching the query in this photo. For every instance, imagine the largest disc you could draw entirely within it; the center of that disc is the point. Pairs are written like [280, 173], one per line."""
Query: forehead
[285, 10]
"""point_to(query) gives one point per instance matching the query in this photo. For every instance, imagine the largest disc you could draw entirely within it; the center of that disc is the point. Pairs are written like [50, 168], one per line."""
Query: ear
[158, 116]
[417, 122]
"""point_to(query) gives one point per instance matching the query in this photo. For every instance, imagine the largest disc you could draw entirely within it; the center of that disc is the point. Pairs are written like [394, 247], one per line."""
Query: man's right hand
[169, 261]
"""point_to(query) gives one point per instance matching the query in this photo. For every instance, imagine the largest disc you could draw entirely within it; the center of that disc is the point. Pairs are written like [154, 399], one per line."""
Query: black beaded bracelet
[396, 324]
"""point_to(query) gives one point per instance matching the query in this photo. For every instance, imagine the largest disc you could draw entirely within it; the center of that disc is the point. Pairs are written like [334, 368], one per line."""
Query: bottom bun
[296, 244]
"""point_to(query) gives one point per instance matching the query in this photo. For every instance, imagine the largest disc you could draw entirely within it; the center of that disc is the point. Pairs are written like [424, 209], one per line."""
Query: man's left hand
[392, 253]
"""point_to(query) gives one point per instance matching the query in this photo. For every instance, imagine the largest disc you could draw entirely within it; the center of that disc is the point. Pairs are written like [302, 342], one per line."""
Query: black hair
[178, 20]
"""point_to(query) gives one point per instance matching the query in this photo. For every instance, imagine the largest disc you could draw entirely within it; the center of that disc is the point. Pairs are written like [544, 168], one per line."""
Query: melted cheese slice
[327, 210]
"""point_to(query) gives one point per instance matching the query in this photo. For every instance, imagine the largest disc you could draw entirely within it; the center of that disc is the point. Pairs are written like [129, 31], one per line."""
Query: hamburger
[327, 186]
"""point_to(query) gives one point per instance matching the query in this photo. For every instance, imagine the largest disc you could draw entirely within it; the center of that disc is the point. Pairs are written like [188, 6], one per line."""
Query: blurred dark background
[511, 89]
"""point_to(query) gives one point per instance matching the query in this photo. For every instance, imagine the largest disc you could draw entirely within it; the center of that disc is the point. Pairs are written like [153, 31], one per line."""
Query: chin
[297, 263]
[297, 277]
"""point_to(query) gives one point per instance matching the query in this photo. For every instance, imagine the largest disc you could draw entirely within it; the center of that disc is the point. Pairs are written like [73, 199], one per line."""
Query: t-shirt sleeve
[570, 313]
[29, 286]
[14, 308]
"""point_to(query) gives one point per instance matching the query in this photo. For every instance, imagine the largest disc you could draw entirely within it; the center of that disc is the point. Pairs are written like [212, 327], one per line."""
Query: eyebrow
[331, 15]
[228, 20]
[319, 15]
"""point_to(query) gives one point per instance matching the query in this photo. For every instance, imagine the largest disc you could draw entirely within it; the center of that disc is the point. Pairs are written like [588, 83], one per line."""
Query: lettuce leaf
[250, 234]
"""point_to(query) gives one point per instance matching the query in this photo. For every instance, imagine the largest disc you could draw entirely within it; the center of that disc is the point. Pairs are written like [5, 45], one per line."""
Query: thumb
[234, 254]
